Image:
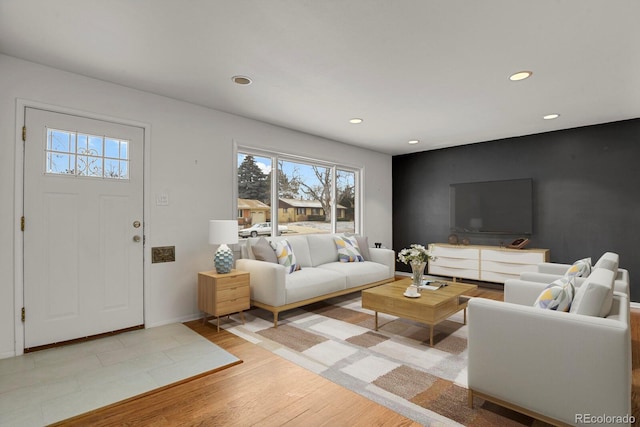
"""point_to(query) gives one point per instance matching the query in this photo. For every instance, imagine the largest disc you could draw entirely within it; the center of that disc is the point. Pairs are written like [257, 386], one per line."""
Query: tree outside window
[305, 193]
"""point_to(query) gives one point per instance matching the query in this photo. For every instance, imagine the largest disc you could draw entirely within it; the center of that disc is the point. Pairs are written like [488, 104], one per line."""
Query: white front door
[84, 227]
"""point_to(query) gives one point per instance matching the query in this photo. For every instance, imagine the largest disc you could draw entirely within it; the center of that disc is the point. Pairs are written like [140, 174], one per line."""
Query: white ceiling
[432, 70]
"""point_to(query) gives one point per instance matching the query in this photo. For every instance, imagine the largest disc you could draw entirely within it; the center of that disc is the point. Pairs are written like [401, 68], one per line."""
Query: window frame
[276, 157]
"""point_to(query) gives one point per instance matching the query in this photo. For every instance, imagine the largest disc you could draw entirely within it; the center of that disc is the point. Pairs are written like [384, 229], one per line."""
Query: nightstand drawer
[231, 294]
[232, 281]
[233, 306]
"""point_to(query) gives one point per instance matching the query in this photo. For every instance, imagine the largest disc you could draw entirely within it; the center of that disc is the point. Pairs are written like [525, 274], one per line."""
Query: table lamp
[223, 232]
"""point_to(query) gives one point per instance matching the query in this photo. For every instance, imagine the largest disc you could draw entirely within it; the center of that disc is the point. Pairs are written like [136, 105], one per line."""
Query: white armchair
[551, 365]
[547, 272]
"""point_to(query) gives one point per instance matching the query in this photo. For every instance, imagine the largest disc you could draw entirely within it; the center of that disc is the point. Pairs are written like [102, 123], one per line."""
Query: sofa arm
[386, 257]
[552, 268]
[547, 279]
[549, 362]
[622, 281]
[522, 292]
[620, 285]
[532, 276]
[267, 281]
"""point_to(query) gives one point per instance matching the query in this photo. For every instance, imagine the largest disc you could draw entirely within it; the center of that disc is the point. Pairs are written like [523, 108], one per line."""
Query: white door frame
[21, 105]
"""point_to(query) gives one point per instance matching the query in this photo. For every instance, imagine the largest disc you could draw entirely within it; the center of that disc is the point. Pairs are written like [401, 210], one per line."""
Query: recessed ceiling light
[355, 121]
[520, 75]
[551, 116]
[241, 80]
[413, 141]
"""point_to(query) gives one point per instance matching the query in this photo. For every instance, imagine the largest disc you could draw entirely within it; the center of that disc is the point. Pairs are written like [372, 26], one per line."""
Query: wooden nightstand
[221, 294]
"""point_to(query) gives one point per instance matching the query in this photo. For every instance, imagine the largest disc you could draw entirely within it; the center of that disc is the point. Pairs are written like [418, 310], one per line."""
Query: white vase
[417, 272]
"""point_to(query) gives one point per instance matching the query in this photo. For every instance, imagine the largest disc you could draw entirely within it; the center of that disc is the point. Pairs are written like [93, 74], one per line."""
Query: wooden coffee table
[432, 307]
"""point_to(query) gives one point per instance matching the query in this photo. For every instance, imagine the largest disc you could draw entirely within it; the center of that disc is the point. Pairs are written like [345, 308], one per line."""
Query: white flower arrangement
[415, 253]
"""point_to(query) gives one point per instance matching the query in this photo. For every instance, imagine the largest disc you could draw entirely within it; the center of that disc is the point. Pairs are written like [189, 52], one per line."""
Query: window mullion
[332, 202]
[275, 195]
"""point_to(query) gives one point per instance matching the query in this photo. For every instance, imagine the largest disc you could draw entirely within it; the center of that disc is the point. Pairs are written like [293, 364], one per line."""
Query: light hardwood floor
[267, 390]
[264, 390]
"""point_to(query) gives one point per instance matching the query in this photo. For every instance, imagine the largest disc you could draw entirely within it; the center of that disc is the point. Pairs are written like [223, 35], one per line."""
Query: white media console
[486, 263]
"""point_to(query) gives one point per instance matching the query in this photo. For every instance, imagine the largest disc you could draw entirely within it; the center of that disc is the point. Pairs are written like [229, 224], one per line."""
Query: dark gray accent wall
[586, 191]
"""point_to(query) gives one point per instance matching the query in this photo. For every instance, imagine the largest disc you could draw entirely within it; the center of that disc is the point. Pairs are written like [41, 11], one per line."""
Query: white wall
[191, 159]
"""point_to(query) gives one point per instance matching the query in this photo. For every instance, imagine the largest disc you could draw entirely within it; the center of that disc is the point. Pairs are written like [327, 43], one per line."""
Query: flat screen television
[493, 207]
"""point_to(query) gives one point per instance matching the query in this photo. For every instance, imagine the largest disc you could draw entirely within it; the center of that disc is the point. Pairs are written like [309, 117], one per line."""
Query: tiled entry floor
[51, 385]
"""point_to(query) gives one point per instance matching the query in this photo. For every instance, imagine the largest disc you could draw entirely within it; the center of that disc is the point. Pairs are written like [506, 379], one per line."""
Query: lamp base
[223, 259]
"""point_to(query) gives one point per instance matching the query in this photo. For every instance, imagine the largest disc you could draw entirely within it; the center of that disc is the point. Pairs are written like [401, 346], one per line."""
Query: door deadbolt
[136, 224]
[136, 238]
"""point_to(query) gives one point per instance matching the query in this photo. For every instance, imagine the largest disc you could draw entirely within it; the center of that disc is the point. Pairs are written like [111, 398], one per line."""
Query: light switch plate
[162, 199]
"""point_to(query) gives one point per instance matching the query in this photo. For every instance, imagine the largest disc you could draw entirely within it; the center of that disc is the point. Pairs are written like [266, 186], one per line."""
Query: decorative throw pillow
[363, 244]
[557, 296]
[348, 250]
[580, 268]
[285, 255]
[262, 251]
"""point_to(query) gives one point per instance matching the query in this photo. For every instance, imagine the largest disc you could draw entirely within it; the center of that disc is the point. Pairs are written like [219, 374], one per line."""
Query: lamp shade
[223, 231]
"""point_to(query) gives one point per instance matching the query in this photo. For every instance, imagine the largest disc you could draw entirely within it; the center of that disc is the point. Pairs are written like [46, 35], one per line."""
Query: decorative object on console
[465, 241]
[223, 232]
[417, 256]
[519, 243]
[453, 239]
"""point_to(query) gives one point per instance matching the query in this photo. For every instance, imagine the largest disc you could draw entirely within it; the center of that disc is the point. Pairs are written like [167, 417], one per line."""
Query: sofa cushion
[322, 249]
[358, 273]
[363, 244]
[312, 282]
[594, 296]
[348, 250]
[285, 255]
[580, 268]
[608, 260]
[557, 296]
[263, 251]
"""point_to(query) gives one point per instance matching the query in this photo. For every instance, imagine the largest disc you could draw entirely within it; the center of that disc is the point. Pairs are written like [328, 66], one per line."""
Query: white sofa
[547, 272]
[554, 366]
[321, 275]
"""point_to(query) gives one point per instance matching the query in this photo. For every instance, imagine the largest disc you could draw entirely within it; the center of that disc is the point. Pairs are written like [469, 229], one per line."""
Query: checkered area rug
[394, 366]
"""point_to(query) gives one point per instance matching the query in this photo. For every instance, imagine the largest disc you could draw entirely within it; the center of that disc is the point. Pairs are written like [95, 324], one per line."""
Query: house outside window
[307, 196]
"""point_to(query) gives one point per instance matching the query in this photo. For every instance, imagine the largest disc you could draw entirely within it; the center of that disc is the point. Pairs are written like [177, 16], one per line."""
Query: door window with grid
[77, 154]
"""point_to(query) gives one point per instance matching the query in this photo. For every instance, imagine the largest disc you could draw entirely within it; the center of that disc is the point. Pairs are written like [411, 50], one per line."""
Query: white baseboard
[181, 319]
[635, 304]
